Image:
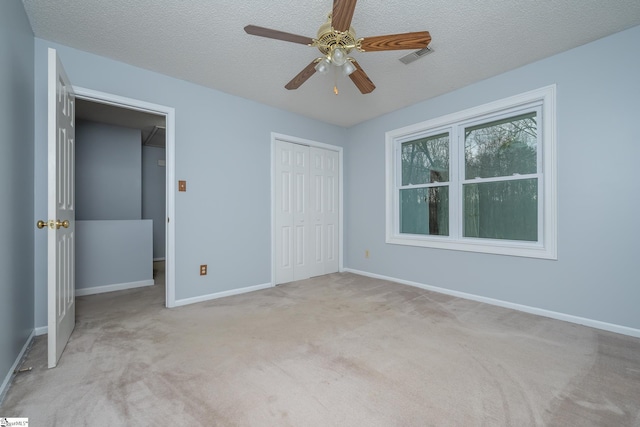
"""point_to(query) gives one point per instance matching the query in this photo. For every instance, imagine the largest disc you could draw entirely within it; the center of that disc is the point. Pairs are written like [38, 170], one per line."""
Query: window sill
[495, 247]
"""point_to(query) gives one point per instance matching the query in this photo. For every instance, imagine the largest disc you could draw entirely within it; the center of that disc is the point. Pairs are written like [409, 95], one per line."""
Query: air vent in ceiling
[413, 56]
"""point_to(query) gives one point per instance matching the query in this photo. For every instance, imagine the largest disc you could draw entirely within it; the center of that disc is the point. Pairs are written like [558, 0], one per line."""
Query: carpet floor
[335, 350]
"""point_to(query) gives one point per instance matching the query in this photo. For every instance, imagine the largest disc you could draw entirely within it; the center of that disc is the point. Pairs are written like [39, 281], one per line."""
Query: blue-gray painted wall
[114, 252]
[222, 151]
[154, 196]
[16, 183]
[108, 172]
[596, 274]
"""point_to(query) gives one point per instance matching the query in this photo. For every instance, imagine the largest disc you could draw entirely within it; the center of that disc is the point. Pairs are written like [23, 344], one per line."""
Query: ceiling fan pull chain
[335, 80]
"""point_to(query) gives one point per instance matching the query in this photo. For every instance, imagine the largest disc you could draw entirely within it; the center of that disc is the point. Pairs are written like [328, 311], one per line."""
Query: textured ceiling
[203, 41]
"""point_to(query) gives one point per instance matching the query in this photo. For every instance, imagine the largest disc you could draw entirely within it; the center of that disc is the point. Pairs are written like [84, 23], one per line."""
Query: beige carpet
[337, 350]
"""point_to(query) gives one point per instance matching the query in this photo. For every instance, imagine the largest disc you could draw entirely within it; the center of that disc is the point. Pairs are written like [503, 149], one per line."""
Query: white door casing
[61, 208]
[169, 114]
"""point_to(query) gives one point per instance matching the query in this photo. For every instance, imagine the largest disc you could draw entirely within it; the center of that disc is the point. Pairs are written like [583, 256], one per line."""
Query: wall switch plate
[203, 270]
[182, 185]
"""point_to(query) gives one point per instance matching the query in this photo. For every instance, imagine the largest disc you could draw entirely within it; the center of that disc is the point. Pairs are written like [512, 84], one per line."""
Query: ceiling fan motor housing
[329, 39]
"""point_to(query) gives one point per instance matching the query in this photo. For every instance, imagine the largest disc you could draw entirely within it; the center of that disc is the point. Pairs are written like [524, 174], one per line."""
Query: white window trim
[547, 248]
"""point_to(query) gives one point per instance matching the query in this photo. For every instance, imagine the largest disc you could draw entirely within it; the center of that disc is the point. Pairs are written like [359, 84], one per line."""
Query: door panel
[331, 248]
[291, 216]
[324, 211]
[300, 217]
[284, 213]
[61, 209]
[317, 209]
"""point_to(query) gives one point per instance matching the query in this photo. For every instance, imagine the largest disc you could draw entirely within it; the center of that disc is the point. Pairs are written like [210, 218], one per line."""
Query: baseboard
[111, 288]
[7, 380]
[42, 330]
[624, 330]
[193, 300]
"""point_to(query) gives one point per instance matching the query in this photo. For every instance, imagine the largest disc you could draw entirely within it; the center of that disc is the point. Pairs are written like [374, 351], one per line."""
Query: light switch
[182, 185]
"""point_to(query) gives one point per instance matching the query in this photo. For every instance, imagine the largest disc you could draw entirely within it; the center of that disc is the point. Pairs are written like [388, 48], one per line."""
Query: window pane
[425, 211]
[426, 160]
[502, 210]
[502, 148]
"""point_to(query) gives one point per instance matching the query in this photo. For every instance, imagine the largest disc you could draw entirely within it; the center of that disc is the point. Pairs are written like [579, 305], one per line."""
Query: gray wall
[113, 253]
[596, 275]
[108, 172]
[222, 151]
[153, 195]
[16, 183]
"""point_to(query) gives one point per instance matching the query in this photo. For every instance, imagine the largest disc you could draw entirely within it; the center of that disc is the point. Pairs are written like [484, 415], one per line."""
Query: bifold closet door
[324, 212]
[306, 211]
[292, 207]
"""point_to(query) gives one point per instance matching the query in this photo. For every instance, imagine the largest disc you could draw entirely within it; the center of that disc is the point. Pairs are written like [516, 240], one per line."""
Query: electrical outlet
[366, 253]
[203, 270]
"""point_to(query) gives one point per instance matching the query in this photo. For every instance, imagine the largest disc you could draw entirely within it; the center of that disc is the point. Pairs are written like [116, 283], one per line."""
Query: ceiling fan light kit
[338, 56]
[323, 66]
[348, 68]
[336, 39]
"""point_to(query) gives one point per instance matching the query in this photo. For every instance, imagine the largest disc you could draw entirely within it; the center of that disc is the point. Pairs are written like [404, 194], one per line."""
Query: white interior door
[300, 212]
[61, 209]
[292, 211]
[324, 204]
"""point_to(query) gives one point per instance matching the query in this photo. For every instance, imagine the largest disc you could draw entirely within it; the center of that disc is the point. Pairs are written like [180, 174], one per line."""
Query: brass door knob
[51, 224]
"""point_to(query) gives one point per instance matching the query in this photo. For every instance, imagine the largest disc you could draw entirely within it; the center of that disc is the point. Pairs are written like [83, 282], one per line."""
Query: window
[480, 180]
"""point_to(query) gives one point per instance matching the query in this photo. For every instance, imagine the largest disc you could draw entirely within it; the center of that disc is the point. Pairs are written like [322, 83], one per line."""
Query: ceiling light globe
[323, 66]
[338, 56]
[348, 68]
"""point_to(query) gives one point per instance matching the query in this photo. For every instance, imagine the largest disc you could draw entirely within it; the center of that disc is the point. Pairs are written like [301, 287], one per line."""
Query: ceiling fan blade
[254, 30]
[302, 76]
[361, 80]
[417, 40]
[342, 14]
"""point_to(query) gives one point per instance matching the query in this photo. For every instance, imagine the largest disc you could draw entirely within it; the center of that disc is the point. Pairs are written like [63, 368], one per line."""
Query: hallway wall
[154, 195]
[16, 185]
[108, 172]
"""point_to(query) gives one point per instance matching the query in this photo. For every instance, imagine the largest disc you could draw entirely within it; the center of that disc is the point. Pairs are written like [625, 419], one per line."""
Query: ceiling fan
[336, 39]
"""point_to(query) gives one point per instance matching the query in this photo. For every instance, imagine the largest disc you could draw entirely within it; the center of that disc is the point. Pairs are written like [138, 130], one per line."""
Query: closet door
[292, 207]
[324, 199]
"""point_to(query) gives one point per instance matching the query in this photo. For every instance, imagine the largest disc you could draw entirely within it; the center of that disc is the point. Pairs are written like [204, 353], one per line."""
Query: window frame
[543, 101]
